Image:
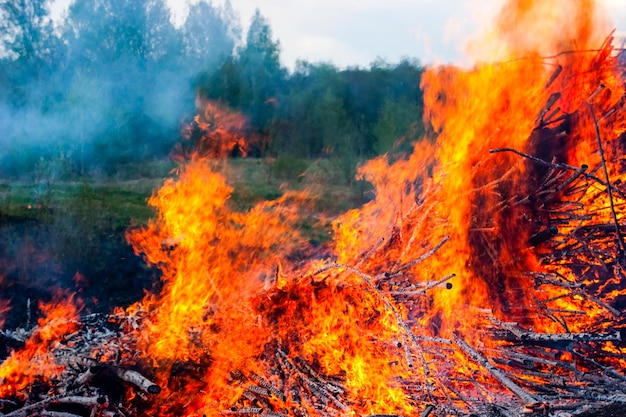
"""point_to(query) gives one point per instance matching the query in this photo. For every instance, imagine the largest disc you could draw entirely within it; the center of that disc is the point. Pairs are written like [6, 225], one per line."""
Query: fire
[35, 362]
[461, 220]
[214, 261]
[216, 132]
[508, 216]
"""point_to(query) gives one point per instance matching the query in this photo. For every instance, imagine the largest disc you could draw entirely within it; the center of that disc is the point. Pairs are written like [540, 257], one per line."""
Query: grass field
[99, 204]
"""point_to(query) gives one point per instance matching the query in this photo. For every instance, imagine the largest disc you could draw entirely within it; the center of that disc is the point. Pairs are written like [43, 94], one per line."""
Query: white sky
[357, 32]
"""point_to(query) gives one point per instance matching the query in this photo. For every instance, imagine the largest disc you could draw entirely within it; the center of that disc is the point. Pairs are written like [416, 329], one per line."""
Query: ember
[485, 278]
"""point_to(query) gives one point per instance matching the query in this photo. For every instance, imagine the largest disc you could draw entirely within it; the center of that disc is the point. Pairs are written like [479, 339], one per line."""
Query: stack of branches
[521, 372]
[92, 370]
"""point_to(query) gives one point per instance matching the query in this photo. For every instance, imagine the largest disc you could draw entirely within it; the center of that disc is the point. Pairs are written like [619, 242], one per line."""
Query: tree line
[114, 81]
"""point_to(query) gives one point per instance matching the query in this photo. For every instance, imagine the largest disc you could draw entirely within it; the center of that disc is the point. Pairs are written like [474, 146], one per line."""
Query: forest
[115, 81]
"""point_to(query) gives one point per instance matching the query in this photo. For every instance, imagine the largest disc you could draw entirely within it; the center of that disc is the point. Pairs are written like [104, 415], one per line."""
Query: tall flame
[214, 260]
[231, 292]
[482, 205]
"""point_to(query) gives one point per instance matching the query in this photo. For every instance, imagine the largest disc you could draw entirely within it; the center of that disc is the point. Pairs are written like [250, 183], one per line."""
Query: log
[36, 408]
[427, 410]
[135, 378]
[549, 103]
[543, 236]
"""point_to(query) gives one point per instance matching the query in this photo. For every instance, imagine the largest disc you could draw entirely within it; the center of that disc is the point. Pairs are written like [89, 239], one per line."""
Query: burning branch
[620, 238]
[498, 374]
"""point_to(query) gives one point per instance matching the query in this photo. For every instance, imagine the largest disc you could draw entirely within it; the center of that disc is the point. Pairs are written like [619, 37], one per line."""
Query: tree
[209, 36]
[26, 29]
[29, 48]
[263, 78]
[163, 42]
[313, 121]
[127, 49]
[398, 125]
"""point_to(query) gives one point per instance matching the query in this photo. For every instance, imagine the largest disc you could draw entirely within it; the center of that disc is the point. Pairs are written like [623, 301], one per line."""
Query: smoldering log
[36, 408]
[274, 414]
[264, 384]
[427, 410]
[87, 376]
[258, 390]
[334, 388]
[384, 415]
[596, 92]
[618, 106]
[530, 361]
[47, 413]
[4, 403]
[551, 117]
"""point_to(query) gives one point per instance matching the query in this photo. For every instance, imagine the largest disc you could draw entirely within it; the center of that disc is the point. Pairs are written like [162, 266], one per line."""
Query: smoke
[108, 85]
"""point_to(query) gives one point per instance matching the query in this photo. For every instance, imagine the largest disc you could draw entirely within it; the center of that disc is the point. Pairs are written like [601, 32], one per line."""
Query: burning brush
[491, 285]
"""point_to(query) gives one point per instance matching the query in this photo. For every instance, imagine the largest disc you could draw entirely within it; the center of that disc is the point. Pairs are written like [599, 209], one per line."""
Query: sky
[358, 32]
[352, 33]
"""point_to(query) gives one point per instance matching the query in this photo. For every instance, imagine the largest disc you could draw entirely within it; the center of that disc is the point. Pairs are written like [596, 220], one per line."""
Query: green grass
[98, 205]
[120, 201]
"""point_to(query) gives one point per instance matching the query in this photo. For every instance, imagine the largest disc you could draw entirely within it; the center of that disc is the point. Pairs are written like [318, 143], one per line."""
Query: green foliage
[397, 125]
[110, 87]
[209, 35]
[288, 168]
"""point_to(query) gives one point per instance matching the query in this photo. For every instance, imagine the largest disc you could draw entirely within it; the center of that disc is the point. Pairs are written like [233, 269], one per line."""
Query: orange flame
[214, 261]
[35, 362]
[465, 197]
[242, 298]
[216, 132]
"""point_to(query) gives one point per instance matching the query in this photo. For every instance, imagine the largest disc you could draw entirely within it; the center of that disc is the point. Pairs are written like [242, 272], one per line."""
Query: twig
[429, 409]
[422, 291]
[497, 374]
[607, 370]
[419, 259]
[616, 313]
[618, 232]
[556, 165]
[245, 410]
[557, 71]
